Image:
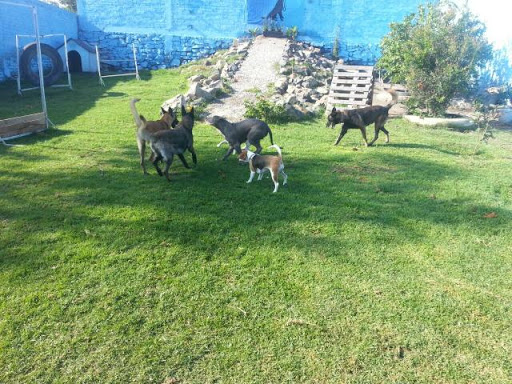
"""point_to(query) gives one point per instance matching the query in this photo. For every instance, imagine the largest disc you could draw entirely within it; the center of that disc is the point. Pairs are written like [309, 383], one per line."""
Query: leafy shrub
[336, 45]
[437, 53]
[254, 32]
[292, 32]
[266, 111]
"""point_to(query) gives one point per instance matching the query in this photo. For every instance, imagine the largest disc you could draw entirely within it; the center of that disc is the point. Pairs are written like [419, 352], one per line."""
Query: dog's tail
[394, 97]
[270, 135]
[139, 120]
[276, 147]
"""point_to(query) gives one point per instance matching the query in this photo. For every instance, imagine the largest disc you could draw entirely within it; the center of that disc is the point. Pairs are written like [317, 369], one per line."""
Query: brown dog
[362, 117]
[146, 128]
[262, 163]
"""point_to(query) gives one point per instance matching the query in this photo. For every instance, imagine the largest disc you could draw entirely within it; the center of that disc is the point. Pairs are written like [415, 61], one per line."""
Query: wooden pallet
[22, 125]
[351, 86]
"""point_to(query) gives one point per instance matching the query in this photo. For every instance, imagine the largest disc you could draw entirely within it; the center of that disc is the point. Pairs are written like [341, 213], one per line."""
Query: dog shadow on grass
[422, 146]
[210, 207]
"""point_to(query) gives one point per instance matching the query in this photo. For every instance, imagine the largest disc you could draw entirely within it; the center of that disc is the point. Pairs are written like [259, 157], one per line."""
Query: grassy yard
[390, 264]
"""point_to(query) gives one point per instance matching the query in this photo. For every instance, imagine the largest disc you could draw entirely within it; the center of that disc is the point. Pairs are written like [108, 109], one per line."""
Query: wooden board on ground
[22, 125]
[351, 86]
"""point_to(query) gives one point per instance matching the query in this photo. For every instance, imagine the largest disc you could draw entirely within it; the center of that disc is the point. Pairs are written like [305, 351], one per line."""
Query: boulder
[197, 92]
[195, 78]
[175, 103]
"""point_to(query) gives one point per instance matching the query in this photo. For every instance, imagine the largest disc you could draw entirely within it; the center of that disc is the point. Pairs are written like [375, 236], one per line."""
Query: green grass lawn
[390, 264]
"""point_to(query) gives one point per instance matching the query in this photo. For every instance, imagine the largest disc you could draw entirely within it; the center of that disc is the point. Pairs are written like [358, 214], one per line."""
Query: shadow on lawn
[421, 146]
[211, 208]
[86, 88]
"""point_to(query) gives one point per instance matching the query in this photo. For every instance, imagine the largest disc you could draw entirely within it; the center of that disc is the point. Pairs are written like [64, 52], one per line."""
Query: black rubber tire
[30, 53]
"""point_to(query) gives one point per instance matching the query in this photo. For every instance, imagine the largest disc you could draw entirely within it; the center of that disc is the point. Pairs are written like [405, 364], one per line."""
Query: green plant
[267, 111]
[486, 114]
[292, 32]
[254, 32]
[336, 45]
[437, 53]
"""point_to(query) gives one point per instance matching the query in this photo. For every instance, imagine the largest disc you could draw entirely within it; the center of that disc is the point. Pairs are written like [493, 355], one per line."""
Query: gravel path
[260, 68]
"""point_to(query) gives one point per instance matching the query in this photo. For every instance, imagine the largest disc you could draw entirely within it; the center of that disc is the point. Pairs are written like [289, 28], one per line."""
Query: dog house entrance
[75, 61]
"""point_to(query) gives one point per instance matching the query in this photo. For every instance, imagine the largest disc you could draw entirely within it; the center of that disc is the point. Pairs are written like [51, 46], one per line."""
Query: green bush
[437, 53]
[266, 111]
[292, 32]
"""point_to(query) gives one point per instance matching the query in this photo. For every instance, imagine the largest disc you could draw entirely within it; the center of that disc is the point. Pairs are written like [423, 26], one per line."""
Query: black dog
[249, 131]
[361, 117]
[167, 143]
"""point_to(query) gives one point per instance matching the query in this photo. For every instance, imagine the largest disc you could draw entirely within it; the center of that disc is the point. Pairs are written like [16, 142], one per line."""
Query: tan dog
[262, 163]
[146, 128]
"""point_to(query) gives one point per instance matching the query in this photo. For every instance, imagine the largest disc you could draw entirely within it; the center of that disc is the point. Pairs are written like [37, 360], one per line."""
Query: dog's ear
[333, 109]
[183, 111]
[163, 111]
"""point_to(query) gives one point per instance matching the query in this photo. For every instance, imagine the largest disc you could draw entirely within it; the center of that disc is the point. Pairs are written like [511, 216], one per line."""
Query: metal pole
[18, 80]
[135, 61]
[98, 64]
[40, 64]
[67, 60]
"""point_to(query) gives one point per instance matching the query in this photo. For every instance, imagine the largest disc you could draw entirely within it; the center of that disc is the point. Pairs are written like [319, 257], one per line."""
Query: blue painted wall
[18, 20]
[170, 32]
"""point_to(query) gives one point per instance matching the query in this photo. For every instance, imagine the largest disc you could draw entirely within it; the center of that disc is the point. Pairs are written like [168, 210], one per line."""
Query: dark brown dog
[146, 128]
[362, 117]
[169, 142]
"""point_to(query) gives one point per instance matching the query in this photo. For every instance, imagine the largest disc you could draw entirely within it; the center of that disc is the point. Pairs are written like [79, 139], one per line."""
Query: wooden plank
[352, 81]
[355, 73]
[21, 130]
[21, 119]
[350, 97]
[351, 75]
[22, 124]
[11, 127]
[363, 103]
[351, 87]
[344, 67]
[353, 92]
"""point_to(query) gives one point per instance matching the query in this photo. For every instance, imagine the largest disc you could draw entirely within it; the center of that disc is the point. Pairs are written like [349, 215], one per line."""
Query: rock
[175, 103]
[281, 85]
[215, 76]
[322, 90]
[293, 112]
[196, 92]
[195, 79]
[220, 65]
[290, 99]
[311, 82]
[460, 123]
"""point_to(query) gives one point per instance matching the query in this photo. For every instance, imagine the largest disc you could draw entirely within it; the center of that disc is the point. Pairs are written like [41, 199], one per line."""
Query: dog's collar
[250, 155]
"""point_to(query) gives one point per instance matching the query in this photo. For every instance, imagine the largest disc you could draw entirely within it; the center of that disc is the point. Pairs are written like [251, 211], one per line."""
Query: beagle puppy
[262, 163]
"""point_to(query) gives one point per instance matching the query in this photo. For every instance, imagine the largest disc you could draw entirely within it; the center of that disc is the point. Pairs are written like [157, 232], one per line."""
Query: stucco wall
[18, 20]
[170, 32]
[358, 25]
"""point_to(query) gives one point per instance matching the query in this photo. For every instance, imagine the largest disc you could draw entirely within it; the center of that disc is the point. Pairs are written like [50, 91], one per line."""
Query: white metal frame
[35, 21]
[18, 56]
[98, 63]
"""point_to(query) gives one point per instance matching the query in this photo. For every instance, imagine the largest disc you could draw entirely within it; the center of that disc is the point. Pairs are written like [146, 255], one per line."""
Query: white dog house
[81, 56]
